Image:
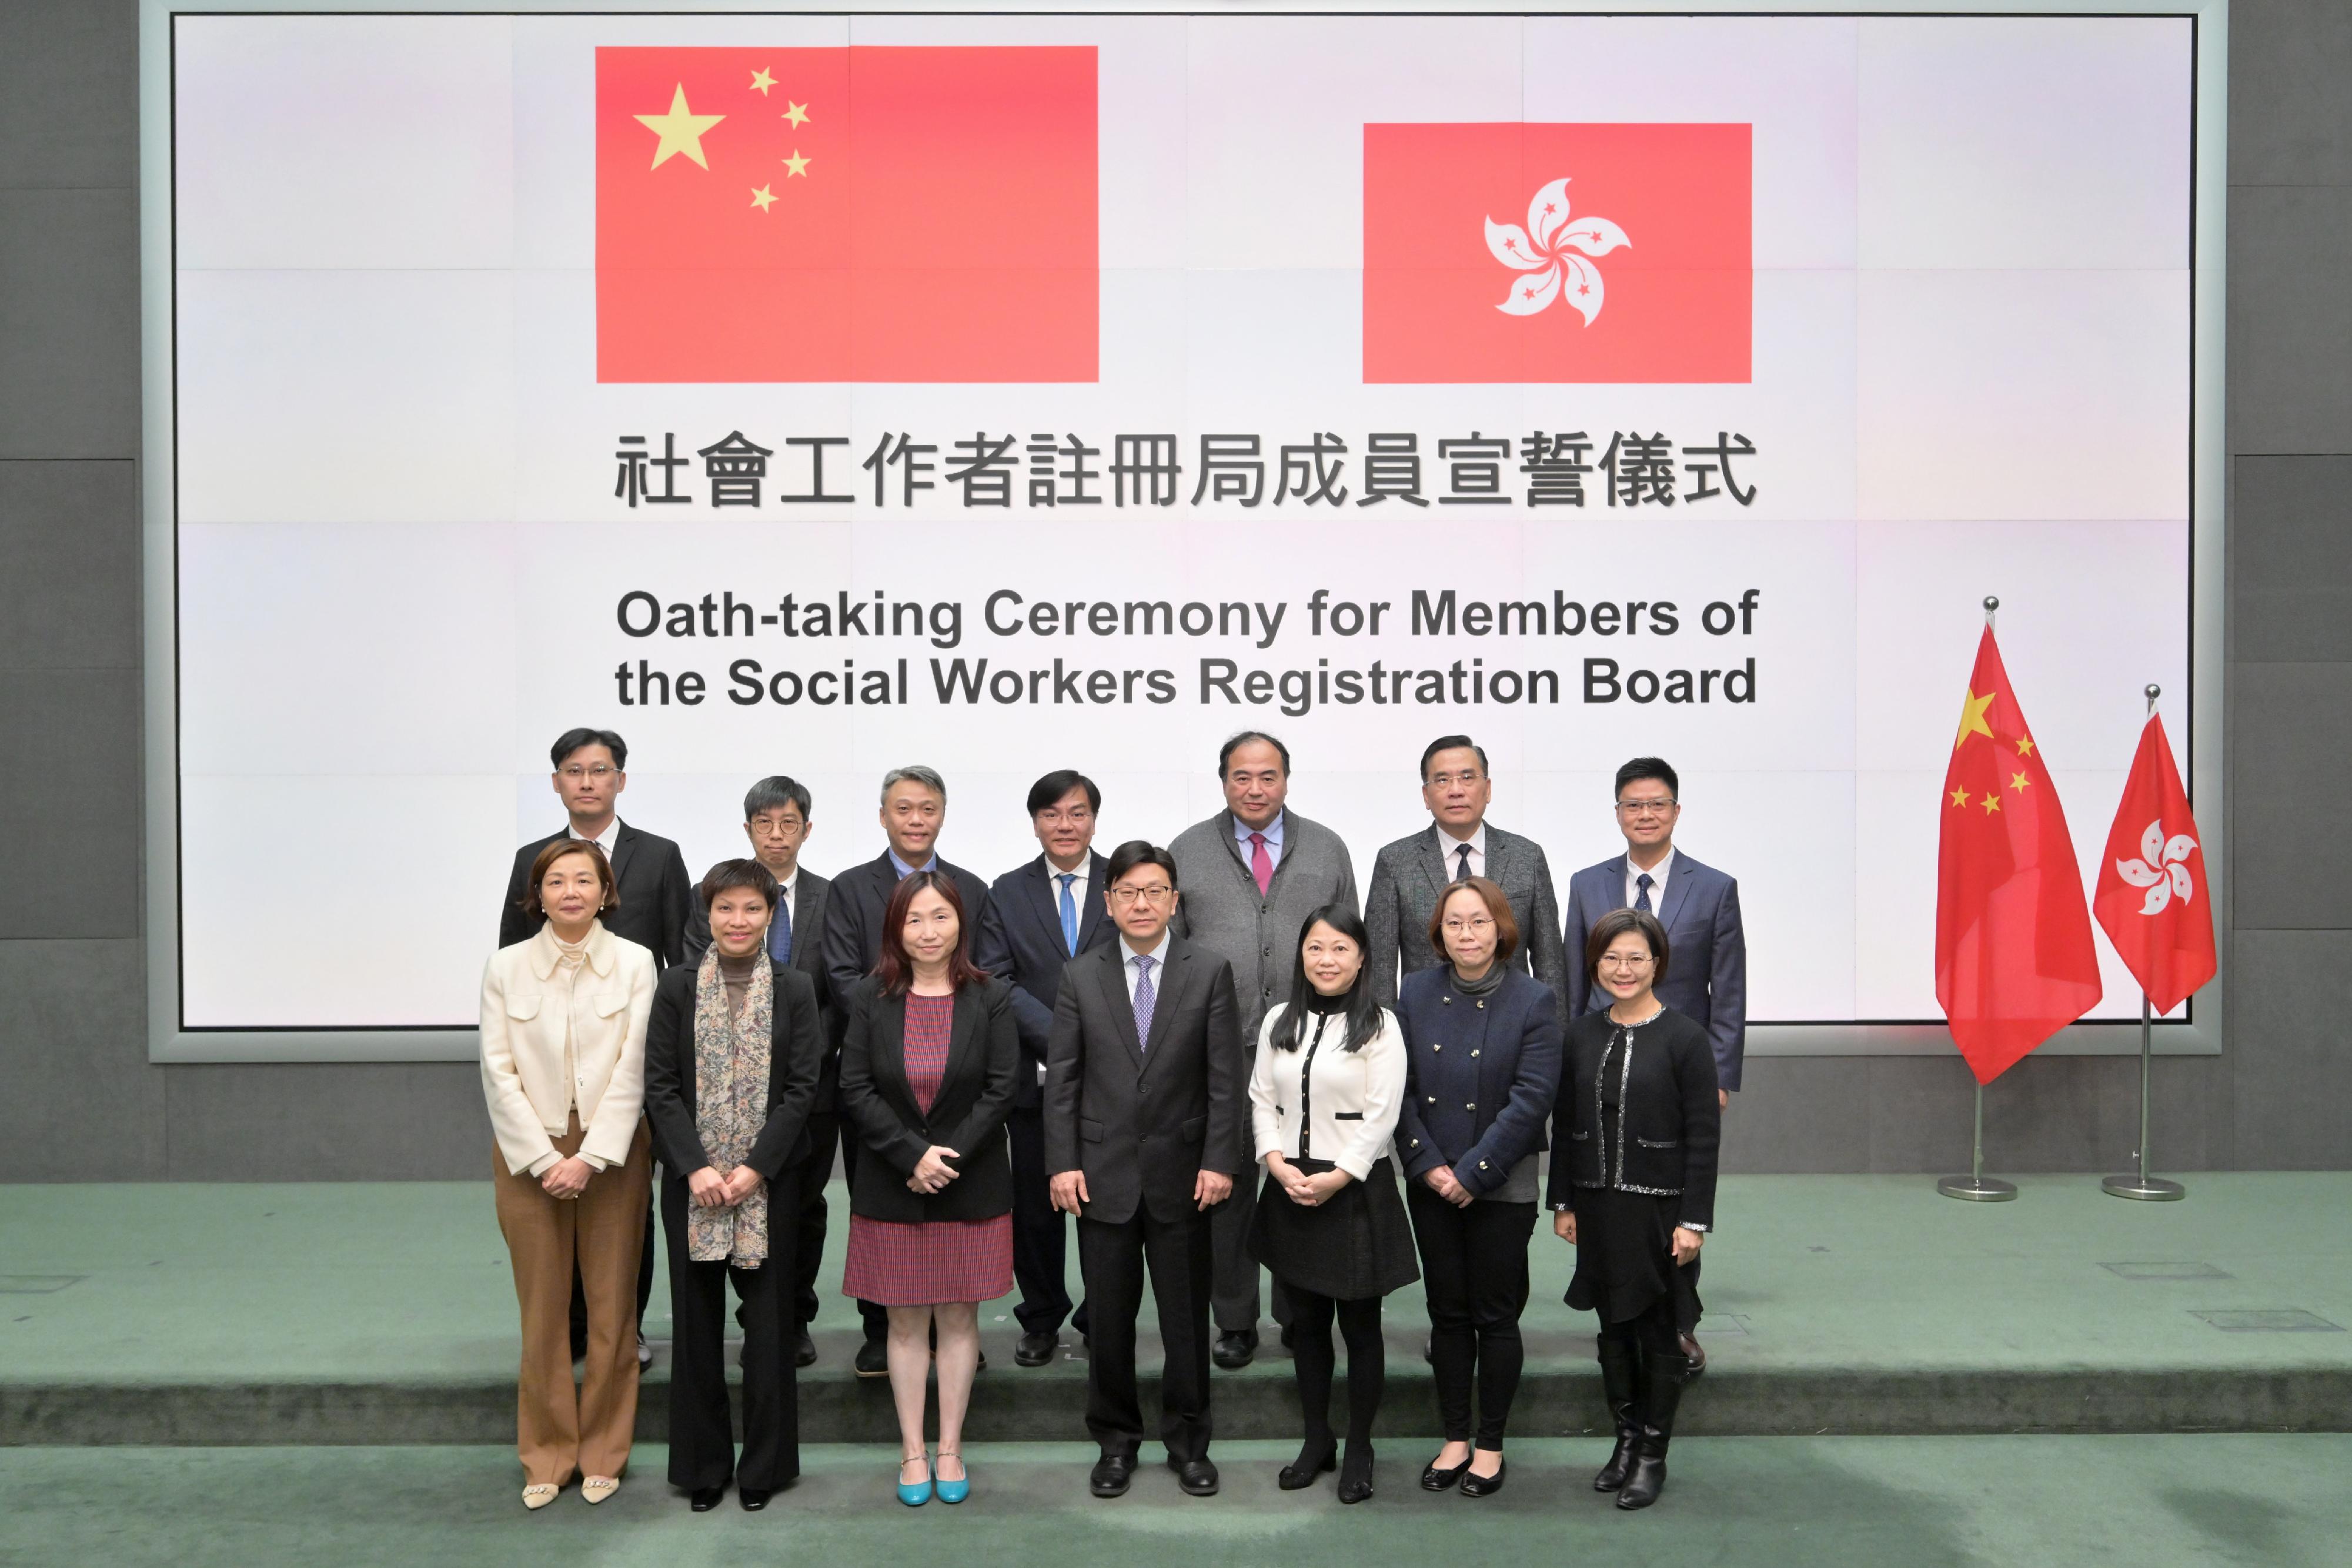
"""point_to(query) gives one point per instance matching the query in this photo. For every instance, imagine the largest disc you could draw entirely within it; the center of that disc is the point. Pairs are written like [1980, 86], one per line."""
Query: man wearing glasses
[1699, 907]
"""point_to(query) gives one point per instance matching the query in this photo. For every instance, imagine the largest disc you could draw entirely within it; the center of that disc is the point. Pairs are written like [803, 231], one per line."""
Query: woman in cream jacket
[563, 1065]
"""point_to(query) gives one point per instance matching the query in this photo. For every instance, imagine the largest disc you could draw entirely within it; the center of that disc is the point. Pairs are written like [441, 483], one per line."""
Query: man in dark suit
[914, 808]
[1145, 1131]
[649, 875]
[776, 818]
[1699, 907]
[1040, 916]
[1410, 875]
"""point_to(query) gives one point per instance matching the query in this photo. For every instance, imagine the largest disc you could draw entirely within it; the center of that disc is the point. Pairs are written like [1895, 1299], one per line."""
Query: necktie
[1143, 1000]
[1642, 903]
[780, 929]
[1461, 861]
[1261, 863]
[1069, 913]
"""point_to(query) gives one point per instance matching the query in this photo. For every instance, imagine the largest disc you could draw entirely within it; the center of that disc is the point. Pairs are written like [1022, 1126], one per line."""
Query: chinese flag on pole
[2152, 899]
[2014, 962]
[1557, 253]
[869, 214]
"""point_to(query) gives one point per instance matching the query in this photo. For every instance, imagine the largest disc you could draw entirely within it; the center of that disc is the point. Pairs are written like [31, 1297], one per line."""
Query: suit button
[1474, 1054]
[1437, 1048]
[1472, 1106]
[1445, 1001]
[1482, 1165]
[1432, 1099]
[1482, 1004]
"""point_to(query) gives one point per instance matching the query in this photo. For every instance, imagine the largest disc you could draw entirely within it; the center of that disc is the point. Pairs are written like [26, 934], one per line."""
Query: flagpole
[1976, 1187]
[2144, 1186]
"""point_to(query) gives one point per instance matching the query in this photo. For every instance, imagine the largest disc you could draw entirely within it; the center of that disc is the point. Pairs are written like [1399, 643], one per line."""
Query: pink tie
[1261, 863]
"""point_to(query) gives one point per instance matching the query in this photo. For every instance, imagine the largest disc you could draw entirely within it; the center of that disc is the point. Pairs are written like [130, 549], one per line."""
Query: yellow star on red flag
[680, 131]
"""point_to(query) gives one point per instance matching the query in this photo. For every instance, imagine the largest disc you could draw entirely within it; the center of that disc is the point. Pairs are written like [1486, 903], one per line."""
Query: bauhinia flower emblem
[1545, 252]
[2160, 869]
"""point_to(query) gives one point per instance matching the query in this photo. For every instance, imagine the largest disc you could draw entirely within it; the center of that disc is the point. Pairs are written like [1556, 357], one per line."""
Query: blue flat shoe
[914, 1496]
[957, 1489]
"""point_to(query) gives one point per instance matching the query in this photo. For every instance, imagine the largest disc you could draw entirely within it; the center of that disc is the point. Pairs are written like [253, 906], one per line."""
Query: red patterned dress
[938, 1261]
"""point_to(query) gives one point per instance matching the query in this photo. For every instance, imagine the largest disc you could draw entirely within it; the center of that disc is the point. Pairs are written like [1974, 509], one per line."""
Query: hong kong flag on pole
[869, 214]
[2153, 900]
[2014, 961]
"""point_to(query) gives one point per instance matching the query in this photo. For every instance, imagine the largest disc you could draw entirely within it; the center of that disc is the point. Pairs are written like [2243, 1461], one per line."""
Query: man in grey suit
[777, 819]
[1699, 907]
[1252, 875]
[1410, 875]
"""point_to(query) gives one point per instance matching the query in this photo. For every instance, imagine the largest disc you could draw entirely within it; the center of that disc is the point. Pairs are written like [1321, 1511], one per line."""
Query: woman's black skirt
[1356, 1244]
[1625, 1256]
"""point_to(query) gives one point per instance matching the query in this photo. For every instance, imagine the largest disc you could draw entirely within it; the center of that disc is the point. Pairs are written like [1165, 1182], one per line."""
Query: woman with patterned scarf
[732, 1057]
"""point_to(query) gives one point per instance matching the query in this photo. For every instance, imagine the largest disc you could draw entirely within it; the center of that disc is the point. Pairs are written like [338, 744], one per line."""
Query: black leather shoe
[1697, 1353]
[753, 1499]
[1235, 1350]
[1434, 1479]
[702, 1499]
[803, 1350]
[1035, 1349]
[874, 1359]
[1649, 1477]
[1289, 1337]
[1475, 1484]
[1300, 1473]
[1110, 1475]
[1356, 1475]
[1197, 1477]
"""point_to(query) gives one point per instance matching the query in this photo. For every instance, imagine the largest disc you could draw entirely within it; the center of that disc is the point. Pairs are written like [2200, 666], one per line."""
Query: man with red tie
[1252, 875]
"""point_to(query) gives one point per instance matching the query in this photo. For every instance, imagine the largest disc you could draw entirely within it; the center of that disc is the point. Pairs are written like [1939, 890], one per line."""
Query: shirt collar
[1477, 843]
[905, 870]
[1273, 831]
[1054, 873]
[602, 956]
[604, 841]
[1657, 873]
[1158, 956]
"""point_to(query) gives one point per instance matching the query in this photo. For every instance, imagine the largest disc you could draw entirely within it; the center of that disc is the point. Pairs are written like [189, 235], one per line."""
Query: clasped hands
[1307, 1191]
[708, 1189]
[1070, 1195]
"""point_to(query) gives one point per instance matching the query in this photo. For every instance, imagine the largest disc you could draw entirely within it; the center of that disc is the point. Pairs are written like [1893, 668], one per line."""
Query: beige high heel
[538, 1497]
[596, 1489]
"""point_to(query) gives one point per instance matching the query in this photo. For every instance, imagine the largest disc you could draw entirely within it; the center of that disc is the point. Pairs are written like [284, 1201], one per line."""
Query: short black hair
[1648, 768]
[1452, 743]
[1225, 757]
[1059, 783]
[728, 875]
[572, 740]
[1136, 852]
[773, 794]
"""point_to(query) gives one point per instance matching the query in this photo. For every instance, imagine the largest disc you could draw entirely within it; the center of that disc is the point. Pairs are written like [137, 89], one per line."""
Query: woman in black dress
[1633, 1188]
[1325, 1093]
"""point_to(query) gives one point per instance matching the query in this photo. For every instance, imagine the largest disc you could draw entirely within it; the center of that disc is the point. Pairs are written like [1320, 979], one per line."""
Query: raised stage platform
[227, 1316]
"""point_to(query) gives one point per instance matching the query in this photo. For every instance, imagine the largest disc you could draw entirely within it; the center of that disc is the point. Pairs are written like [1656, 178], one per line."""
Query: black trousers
[808, 1241]
[1040, 1239]
[701, 1433]
[1360, 1325]
[877, 1319]
[1473, 1272]
[1112, 1259]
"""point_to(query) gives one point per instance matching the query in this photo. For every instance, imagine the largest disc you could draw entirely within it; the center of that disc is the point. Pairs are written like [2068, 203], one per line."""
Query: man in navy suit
[1699, 907]
[1040, 915]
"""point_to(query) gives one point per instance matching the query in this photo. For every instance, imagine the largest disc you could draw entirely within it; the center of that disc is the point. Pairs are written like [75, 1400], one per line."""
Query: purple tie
[1143, 1000]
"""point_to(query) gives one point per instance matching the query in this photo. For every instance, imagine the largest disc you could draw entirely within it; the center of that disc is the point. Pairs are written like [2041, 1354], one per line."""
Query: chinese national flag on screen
[2014, 962]
[1557, 253]
[867, 214]
[2153, 900]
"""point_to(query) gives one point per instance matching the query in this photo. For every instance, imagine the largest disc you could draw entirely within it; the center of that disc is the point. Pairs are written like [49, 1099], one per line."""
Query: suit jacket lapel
[1113, 973]
[625, 844]
[1677, 889]
[1615, 871]
[1432, 861]
[1091, 913]
[963, 1035]
[1502, 850]
[1044, 899]
[890, 1059]
[1167, 995]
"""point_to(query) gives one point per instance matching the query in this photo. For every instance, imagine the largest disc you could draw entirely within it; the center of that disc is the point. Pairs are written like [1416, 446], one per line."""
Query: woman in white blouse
[1325, 1093]
[564, 1067]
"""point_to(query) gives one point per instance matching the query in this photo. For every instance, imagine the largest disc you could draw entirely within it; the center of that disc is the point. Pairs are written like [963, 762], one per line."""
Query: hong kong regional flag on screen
[866, 214]
[1557, 253]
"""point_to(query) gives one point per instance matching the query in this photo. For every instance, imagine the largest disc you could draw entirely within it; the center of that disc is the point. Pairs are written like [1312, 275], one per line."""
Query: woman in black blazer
[733, 1051]
[1482, 1065]
[1633, 1189]
[930, 1060]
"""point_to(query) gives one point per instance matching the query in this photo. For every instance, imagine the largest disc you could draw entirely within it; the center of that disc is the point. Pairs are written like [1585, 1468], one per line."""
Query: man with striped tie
[1040, 915]
[1699, 907]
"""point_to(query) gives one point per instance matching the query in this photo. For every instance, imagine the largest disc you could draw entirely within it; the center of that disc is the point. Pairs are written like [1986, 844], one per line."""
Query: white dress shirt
[1159, 957]
[604, 841]
[1657, 875]
[1054, 875]
[1449, 845]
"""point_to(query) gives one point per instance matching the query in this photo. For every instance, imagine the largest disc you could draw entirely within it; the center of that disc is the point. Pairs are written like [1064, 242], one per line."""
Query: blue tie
[780, 929]
[1642, 903]
[1069, 913]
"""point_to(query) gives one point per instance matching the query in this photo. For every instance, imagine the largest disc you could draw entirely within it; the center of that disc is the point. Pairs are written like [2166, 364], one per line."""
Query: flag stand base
[2149, 1189]
[1976, 1187]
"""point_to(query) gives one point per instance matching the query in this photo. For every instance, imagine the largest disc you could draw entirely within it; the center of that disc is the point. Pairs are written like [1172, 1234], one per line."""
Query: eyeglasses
[575, 773]
[1124, 896]
[1620, 961]
[1455, 925]
[1648, 808]
[1443, 780]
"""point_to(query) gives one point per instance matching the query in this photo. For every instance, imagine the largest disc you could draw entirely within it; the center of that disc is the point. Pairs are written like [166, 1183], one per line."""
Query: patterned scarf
[732, 1057]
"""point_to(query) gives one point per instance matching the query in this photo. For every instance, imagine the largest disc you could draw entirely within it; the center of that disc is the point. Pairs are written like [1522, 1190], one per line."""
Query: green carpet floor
[1923, 1503]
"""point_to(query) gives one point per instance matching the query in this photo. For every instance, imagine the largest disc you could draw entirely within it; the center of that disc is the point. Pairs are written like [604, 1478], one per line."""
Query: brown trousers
[561, 1429]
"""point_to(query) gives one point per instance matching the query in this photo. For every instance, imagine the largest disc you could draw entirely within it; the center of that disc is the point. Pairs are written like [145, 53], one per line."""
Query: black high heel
[1300, 1473]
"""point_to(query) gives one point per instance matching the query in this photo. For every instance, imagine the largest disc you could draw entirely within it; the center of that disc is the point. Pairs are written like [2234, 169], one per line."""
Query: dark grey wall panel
[69, 565]
[2291, 1049]
[328, 1122]
[2291, 560]
[2290, 114]
[1800, 1113]
[68, 103]
[69, 322]
[78, 1101]
[2290, 318]
[2290, 735]
[69, 810]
